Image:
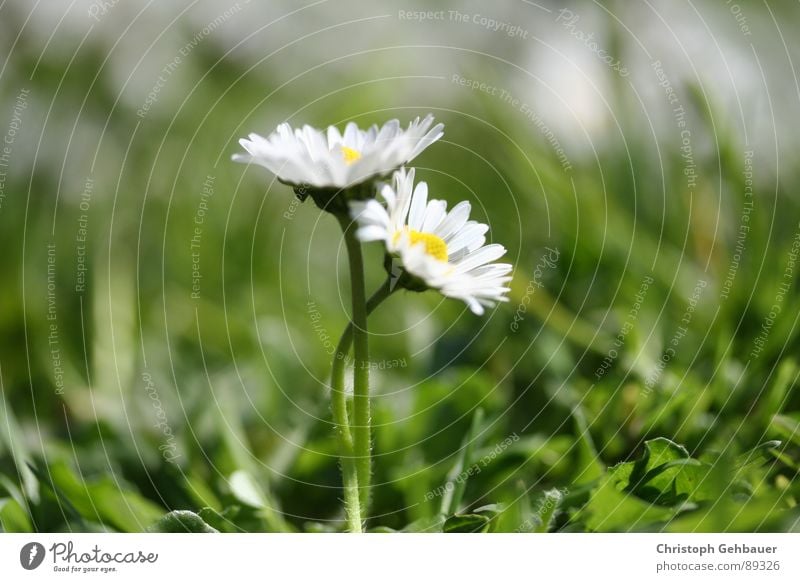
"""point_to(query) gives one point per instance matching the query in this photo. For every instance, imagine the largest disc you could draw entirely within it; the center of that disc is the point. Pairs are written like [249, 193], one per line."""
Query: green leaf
[245, 489]
[250, 493]
[589, 468]
[181, 521]
[457, 478]
[494, 509]
[547, 510]
[13, 518]
[662, 450]
[125, 510]
[779, 392]
[12, 521]
[320, 527]
[71, 513]
[610, 509]
[104, 500]
[765, 514]
[665, 475]
[11, 439]
[426, 525]
[243, 483]
[760, 454]
[787, 426]
[467, 523]
[224, 521]
[200, 492]
[784, 458]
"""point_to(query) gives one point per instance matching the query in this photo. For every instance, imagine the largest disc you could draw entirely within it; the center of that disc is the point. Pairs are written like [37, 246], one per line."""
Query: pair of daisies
[433, 248]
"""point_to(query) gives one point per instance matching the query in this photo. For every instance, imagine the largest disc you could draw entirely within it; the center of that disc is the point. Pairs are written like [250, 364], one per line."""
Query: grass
[181, 413]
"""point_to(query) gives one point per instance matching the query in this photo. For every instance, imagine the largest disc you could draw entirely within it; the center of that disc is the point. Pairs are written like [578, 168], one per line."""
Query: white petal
[419, 201]
[433, 135]
[474, 305]
[391, 198]
[434, 214]
[471, 233]
[351, 135]
[242, 158]
[371, 233]
[454, 220]
[480, 257]
[334, 137]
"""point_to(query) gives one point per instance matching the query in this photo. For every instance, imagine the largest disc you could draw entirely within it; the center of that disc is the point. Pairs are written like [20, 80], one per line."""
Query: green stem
[346, 340]
[362, 438]
[353, 504]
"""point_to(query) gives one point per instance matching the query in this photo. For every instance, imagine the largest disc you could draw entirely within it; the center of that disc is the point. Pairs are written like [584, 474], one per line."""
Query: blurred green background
[166, 313]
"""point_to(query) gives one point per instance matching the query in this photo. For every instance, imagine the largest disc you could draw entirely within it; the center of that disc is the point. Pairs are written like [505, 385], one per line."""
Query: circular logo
[31, 555]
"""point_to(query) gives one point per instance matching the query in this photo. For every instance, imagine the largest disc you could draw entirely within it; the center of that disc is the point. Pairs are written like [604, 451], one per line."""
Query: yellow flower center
[434, 246]
[350, 155]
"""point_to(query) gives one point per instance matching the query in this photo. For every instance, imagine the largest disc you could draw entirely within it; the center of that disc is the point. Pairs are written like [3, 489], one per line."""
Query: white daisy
[439, 250]
[310, 157]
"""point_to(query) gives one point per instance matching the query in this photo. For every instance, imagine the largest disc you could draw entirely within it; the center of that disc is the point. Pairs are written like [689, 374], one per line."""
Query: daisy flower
[334, 160]
[435, 249]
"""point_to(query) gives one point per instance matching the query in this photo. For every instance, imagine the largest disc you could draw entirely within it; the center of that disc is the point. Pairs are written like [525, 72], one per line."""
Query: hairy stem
[356, 436]
[360, 425]
[352, 502]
